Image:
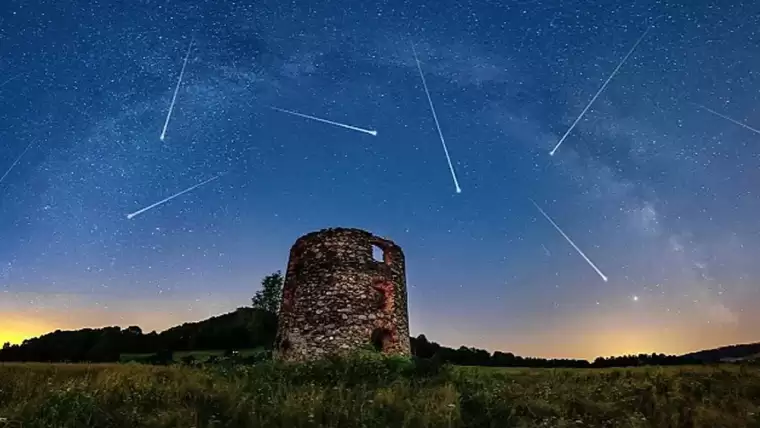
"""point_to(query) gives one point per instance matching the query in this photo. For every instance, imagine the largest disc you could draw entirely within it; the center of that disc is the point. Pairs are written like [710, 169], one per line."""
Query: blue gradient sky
[661, 194]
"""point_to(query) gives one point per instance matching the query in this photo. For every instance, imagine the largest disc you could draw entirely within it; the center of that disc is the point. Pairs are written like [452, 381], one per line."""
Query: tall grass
[371, 392]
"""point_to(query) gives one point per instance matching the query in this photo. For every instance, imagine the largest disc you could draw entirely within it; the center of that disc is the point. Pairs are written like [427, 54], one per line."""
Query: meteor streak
[599, 92]
[342, 125]
[604, 278]
[743, 125]
[546, 250]
[163, 201]
[176, 91]
[13, 165]
[10, 80]
[435, 118]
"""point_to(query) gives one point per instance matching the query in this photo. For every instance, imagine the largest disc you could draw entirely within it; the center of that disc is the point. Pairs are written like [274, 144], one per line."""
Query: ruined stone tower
[337, 297]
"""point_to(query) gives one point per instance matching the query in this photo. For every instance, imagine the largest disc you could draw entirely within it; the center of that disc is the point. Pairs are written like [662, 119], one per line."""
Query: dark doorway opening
[381, 339]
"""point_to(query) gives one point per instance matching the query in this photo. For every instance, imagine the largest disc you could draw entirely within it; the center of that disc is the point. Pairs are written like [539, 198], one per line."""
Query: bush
[163, 358]
[256, 358]
[428, 367]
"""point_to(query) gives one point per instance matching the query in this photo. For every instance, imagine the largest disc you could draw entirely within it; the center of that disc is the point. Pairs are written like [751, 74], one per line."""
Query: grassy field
[372, 392]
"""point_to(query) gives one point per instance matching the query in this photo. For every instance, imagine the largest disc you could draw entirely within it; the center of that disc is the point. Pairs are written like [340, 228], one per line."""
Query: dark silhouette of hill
[241, 329]
[747, 351]
[247, 328]
[256, 326]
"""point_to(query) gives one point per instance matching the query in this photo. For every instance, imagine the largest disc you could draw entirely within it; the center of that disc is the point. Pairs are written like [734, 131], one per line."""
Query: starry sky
[658, 183]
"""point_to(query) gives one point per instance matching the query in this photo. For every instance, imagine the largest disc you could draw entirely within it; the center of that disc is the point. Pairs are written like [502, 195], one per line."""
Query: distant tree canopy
[268, 298]
[244, 328]
[255, 327]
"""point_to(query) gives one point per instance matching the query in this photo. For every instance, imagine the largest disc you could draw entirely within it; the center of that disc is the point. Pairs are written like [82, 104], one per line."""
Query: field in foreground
[372, 392]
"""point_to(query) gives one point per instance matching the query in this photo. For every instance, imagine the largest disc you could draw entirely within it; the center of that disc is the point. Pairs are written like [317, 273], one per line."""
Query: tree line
[465, 356]
[255, 326]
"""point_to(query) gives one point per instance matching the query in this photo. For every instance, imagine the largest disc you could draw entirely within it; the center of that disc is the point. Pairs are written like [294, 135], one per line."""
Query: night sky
[657, 189]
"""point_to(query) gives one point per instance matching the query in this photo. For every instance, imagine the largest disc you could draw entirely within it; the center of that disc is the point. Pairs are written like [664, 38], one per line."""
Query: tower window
[378, 254]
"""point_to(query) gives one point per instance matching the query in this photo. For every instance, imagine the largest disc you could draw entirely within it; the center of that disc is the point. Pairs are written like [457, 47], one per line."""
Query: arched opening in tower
[382, 339]
[378, 253]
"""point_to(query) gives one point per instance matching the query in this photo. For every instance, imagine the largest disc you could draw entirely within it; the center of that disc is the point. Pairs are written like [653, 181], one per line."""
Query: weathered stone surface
[338, 298]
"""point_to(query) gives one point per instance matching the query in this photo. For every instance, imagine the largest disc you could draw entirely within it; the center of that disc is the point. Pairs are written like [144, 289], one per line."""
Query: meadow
[367, 391]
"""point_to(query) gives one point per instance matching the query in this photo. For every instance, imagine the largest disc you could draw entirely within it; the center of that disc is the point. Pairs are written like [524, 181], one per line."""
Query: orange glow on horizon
[19, 322]
[587, 339]
[15, 329]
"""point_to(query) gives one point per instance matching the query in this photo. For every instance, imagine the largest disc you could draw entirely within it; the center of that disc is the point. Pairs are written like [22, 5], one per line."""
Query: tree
[423, 348]
[133, 330]
[268, 298]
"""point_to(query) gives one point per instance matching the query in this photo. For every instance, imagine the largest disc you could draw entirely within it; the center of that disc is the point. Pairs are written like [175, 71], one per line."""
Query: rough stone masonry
[338, 298]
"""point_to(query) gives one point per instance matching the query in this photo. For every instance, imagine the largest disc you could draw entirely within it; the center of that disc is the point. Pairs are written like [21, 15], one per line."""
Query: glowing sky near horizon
[662, 195]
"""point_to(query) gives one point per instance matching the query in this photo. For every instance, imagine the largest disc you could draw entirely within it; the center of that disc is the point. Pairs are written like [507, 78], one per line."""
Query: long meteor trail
[435, 118]
[743, 125]
[13, 165]
[176, 91]
[599, 92]
[604, 277]
[163, 201]
[330, 122]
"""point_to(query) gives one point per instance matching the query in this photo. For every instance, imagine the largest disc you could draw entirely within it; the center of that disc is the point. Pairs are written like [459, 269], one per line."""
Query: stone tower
[338, 297]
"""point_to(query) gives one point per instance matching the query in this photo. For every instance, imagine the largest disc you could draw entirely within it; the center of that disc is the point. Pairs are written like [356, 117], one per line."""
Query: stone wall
[338, 298]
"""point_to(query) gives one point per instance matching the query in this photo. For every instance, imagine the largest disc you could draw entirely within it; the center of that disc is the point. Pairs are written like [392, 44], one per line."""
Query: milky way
[661, 193]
